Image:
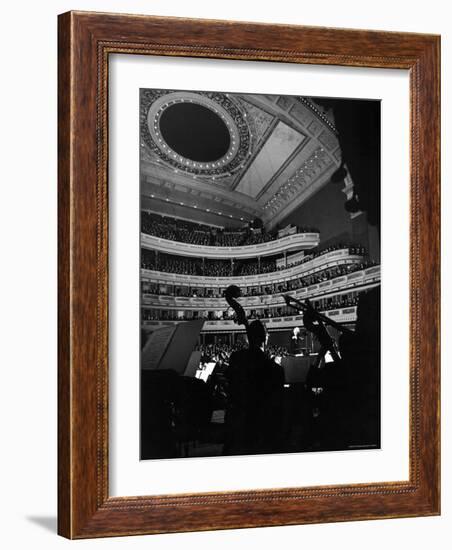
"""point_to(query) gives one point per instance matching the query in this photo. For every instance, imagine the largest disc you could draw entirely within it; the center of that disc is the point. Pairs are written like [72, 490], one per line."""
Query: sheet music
[193, 364]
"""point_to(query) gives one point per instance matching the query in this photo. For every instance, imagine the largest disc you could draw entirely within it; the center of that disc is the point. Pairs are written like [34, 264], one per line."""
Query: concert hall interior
[260, 274]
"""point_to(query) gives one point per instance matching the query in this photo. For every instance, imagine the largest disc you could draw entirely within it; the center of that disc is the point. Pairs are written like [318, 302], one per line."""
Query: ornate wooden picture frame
[86, 40]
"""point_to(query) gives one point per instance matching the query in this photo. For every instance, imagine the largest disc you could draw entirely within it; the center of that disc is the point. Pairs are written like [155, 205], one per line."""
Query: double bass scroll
[231, 294]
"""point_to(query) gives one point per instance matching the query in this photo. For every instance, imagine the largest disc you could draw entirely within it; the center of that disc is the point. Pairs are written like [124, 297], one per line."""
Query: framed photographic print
[248, 275]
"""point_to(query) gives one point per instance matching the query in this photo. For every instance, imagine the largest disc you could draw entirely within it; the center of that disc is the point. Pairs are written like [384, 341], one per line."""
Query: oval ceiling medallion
[195, 132]
[201, 133]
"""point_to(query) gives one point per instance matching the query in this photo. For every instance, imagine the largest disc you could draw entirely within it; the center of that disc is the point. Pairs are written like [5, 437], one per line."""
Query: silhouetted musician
[254, 409]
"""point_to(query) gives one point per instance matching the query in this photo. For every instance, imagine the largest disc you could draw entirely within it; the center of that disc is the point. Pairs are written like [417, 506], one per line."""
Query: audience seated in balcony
[204, 235]
[321, 304]
[355, 250]
[226, 268]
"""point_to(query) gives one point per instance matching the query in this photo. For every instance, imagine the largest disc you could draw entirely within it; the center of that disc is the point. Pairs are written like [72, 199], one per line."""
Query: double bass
[255, 331]
[231, 294]
[316, 322]
[328, 383]
[254, 409]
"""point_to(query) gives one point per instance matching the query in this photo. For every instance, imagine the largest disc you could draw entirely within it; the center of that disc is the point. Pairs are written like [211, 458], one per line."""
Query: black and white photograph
[260, 274]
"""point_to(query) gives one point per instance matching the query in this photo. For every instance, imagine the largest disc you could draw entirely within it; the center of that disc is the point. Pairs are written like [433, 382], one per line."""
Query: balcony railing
[330, 259]
[363, 279]
[340, 315]
[290, 243]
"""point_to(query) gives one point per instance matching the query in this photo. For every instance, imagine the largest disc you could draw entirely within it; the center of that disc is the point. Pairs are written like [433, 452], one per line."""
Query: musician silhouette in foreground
[361, 355]
[347, 410]
[328, 376]
[253, 419]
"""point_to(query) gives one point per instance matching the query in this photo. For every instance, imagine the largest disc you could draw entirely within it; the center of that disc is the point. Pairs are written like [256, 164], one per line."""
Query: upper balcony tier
[289, 243]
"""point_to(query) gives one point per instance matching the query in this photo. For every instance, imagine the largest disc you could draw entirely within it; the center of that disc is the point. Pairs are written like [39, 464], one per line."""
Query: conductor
[296, 342]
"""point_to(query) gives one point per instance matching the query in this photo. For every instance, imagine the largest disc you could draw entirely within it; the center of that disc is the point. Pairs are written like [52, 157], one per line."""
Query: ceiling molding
[276, 182]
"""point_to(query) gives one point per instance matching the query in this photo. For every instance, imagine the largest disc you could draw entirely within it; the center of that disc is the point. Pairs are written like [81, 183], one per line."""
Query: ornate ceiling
[224, 159]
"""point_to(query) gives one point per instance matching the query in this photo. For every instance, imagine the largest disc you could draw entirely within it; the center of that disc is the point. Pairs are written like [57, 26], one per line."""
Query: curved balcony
[340, 315]
[289, 243]
[324, 261]
[363, 280]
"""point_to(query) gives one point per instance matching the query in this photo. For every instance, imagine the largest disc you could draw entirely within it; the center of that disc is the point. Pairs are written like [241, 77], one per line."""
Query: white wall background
[28, 284]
